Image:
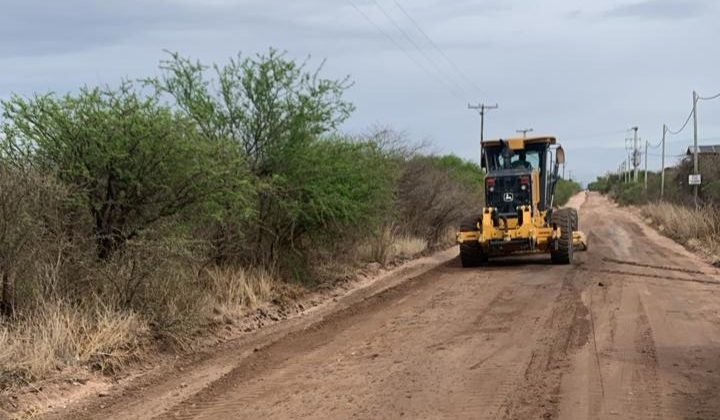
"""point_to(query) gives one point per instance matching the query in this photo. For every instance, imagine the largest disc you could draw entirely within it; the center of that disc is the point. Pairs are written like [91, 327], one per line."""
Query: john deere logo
[508, 197]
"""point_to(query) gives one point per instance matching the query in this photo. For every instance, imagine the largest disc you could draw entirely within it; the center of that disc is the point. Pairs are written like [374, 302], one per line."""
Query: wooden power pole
[481, 109]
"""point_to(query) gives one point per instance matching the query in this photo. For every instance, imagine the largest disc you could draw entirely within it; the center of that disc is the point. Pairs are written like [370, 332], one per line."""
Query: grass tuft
[236, 289]
[389, 246]
[58, 334]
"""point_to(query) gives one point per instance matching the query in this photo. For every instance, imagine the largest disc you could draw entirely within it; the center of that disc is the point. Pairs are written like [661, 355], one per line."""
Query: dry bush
[52, 297]
[690, 226]
[59, 334]
[430, 201]
[160, 278]
[31, 226]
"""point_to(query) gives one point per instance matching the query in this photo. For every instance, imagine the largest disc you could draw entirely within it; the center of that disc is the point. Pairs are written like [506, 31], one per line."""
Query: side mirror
[559, 156]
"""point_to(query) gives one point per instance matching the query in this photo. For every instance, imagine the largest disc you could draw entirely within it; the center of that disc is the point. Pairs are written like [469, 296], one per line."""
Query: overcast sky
[584, 71]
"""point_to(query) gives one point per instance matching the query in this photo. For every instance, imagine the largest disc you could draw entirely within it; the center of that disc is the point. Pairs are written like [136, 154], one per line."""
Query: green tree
[464, 172]
[275, 111]
[269, 104]
[129, 159]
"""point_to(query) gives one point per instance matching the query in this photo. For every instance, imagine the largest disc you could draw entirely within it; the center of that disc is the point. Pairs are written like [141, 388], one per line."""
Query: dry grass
[58, 335]
[234, 290]
[405, 247]
[697, 228]
[157, 301]
[389, 246]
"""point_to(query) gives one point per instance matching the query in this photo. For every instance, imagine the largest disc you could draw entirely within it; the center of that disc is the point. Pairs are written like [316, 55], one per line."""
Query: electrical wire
[415, 45]
[691, 140]
[668, 130]
[708, 98]
[591, 136]
[666, 155]
[401, 48]
[452, 64]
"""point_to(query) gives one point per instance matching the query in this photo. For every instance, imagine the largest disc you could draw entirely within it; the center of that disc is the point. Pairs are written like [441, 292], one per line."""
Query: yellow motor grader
[519, 216]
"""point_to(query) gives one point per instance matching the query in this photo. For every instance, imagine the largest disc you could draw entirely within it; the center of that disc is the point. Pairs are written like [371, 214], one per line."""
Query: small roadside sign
[694, 179]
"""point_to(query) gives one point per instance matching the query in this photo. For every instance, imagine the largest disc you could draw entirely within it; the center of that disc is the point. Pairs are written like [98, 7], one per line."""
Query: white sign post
[694, 179]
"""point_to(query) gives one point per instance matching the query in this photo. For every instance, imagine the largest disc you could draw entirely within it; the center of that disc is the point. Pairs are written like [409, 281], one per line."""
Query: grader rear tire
[563, 218]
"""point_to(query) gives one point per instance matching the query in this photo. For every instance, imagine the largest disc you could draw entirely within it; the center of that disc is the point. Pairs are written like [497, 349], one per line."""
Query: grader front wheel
[471, 253]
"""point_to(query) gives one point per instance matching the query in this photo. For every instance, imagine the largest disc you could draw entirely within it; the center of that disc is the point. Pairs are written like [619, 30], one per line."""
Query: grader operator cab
[519, 217]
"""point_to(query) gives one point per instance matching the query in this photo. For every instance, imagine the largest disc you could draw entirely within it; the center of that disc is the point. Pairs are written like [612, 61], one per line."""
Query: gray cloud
[471, 8]
[660, 9]
[37, 27]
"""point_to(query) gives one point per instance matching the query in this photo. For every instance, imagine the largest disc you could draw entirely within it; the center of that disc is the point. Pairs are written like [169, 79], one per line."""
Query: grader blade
[579, 241]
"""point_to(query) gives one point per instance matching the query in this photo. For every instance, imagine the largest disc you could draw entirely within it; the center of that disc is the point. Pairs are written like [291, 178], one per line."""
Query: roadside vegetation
[564, 190]
[696, 228]
[140, 217]
[695, 224]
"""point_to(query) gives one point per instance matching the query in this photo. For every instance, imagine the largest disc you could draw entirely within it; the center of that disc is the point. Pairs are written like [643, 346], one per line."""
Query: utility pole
[628, 153]
[662, 164]
[627, 169]
[695, 142]
[623, 171]
[482, 108]
[636, 154]
[646, 163]
[525, 131]
[630, 168]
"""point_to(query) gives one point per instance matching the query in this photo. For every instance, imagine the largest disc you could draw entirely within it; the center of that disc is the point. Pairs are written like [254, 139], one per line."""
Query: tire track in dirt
[643, 399]
[215, 400]
[537, 394]
[657, 347]
[468, 366]
[413, 308]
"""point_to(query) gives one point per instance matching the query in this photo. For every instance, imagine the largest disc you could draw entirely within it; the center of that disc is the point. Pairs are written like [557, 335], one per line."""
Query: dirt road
[630, 331]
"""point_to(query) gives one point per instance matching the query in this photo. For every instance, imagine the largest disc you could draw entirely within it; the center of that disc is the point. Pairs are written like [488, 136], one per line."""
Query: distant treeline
[677, 188]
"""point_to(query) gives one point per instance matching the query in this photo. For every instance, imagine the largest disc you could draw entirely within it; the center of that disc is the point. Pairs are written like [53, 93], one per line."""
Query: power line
[401, 48]
[592, 136]
[452, 64]
[666, 155]
[687, 120]
[690, 140]
[414, 44]
[709, 98]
